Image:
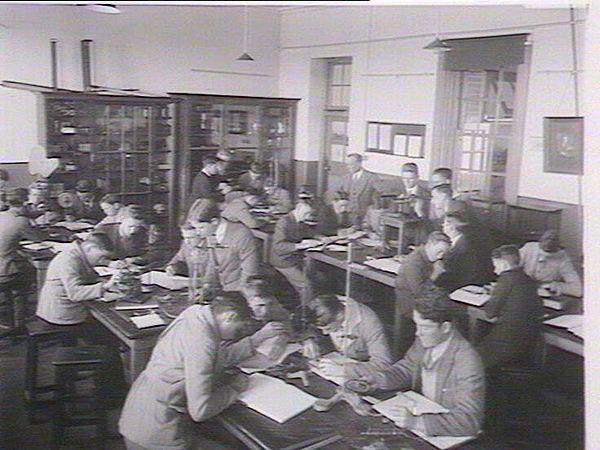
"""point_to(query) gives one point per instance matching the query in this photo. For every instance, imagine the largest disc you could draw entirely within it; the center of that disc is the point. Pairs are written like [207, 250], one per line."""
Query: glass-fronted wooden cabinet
[121, 144]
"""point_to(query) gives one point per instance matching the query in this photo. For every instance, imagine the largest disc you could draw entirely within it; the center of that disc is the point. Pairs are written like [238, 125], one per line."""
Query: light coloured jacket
[364, 340]
[13, 228]
[179, 385]
[554, 267]
[238, 259]
[237, 210]
[460, 386]
[70, 282]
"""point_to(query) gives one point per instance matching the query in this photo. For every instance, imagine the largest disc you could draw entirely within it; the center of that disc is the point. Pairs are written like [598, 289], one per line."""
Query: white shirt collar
[356, 175]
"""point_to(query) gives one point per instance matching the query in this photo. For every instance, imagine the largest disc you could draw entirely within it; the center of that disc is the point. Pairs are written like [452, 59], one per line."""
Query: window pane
[465, 161]
[347, 74]
[336, 96]
[345, 100]
[338, 74]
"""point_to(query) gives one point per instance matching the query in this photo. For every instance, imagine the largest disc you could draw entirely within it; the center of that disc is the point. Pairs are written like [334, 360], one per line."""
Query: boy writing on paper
[517, 310]
[442, 366]
[185, 379]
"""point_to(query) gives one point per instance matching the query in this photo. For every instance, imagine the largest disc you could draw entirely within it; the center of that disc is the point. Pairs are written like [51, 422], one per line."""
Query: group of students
[189, 376]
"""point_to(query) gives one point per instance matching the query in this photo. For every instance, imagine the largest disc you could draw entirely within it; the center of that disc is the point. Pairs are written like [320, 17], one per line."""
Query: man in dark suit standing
[360, 187]
[205, 182]
[517, 309]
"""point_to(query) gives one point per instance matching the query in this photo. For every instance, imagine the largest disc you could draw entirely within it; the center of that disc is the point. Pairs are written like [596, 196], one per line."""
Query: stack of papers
[172, 283]
[74, 226]
[38, 246]
[58, 247]
[147, 321]
[104, 271]
[471, 295]
[386, 264]
[274, 398]
[335, 357]
[572, 322]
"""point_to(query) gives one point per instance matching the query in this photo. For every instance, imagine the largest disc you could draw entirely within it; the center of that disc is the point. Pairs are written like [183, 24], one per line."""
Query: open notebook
[418, 405]
[263, 389]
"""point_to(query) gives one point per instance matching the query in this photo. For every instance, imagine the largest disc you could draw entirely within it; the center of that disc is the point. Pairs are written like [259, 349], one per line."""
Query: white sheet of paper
[104, 271]
[74, 226]
[58, 247]
[416, 403]
[38, 246]
[445, 442]
[337, 248]
[385, 264]
[148, 320]
[566, 321]
[274, 398]
[135, 307]
[385, 137]
[470, 298]
[400, 144]
[414, 146]
[159, 278]
[373, 135]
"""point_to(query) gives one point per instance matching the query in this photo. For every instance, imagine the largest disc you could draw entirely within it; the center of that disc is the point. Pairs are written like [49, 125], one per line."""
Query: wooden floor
[561, 414]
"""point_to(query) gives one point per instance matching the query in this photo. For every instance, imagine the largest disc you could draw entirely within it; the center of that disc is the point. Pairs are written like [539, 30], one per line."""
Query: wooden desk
[140, 342]
[258, 432]
[407, 227]
[553, 336]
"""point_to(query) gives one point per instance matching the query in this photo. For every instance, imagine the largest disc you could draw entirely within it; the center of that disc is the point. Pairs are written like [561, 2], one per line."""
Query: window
[484, 130]
[478, 121]
[338, 84]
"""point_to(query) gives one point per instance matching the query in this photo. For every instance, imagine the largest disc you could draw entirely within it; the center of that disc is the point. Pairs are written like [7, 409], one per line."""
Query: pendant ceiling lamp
[438, 45]
[105, 8]
[245, 56]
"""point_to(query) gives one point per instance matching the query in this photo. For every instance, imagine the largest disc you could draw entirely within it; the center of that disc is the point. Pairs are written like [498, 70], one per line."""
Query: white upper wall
[395, 45]
[151, 48]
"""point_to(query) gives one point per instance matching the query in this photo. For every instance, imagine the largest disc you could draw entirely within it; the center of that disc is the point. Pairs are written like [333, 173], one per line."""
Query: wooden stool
[69, 363]
[39, 332]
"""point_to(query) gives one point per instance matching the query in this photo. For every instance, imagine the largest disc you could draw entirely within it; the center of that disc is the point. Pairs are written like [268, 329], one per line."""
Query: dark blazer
[203, 186]
[288, 232]
[460, 386]
[518, 309]
[467, 262]
[360, 195]
[412, 277]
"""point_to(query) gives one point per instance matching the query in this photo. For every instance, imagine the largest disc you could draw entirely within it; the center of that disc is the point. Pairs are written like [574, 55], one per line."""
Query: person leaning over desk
[355, 331]
[185, 379]
[442, 366]
[547, 263]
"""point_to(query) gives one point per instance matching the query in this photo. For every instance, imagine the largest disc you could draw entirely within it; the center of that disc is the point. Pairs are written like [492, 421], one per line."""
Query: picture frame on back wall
[563, 145]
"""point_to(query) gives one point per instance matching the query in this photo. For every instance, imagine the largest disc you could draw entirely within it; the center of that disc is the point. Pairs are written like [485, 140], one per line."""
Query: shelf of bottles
[122, 145]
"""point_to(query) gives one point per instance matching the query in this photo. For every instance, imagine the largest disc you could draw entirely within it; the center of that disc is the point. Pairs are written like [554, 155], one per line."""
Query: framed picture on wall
[563, 145]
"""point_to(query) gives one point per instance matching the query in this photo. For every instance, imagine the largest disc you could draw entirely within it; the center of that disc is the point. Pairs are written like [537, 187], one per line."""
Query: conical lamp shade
[438, 46]
[245, 57]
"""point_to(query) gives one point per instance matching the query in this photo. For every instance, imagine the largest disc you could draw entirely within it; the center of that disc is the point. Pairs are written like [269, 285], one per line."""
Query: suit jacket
[183, 381]
[288, 232]
[412, 277]
[460, 386]
[203, 186]
[70, 281]
[518, 309]
[360, 195]
[237, 210]
[467, 262]
[420, 204]
[13, 228]
[189, 257]
[364, 340]
[238, 259]
[202, 207]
